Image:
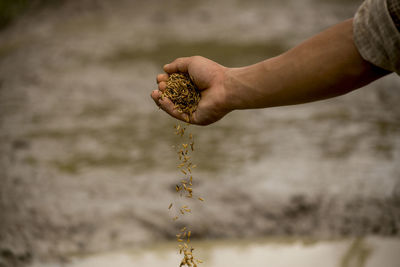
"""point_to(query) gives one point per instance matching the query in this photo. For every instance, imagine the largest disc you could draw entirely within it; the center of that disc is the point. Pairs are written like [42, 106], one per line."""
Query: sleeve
[375, 33]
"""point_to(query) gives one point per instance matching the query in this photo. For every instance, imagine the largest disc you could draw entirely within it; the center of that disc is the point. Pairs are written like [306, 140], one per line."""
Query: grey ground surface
[86, 162]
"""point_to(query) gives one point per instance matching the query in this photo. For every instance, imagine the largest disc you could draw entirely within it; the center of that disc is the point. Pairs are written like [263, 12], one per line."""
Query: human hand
[209, 78]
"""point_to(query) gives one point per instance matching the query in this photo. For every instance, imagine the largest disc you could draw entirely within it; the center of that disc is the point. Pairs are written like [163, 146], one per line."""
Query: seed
[188, 253]
[170, 206]
[200, 198]
[181, 165]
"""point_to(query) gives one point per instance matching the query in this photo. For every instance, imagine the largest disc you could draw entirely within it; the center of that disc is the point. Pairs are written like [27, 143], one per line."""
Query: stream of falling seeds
[185, 189]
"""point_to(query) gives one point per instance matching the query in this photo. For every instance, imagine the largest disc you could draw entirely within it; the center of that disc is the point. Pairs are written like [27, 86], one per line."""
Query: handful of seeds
[182, 91]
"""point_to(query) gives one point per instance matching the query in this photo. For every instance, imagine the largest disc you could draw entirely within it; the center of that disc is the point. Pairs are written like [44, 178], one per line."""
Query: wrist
[233, 85]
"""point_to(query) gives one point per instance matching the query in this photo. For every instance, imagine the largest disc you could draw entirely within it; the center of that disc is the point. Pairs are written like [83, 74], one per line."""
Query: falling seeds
[185, 96]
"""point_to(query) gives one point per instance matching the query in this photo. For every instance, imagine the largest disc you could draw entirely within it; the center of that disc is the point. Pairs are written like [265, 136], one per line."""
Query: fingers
[161, 80]
[178, 65]
[162, 86]
[156, 96]
[165, 104]
[162, 77]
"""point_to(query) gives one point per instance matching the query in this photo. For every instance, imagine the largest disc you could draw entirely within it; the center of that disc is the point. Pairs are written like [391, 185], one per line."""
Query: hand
[208, 77]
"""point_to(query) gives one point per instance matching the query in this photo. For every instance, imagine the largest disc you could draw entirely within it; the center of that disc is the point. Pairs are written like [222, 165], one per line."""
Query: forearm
[324, 66]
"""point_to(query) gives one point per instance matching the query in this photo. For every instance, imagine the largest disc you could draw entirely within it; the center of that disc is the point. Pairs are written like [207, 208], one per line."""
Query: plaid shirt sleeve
[376, 33]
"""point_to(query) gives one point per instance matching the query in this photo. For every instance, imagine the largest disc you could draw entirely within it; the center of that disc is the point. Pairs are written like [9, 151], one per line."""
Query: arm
[324, 66]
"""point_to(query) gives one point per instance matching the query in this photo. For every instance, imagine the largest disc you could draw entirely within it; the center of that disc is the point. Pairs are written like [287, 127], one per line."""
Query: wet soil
[86, 163]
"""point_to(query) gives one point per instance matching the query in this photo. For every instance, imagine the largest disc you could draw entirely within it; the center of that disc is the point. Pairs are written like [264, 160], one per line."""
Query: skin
[324, 66]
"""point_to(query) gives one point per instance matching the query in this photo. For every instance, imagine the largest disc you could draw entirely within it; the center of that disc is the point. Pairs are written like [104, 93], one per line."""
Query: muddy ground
[86, 162]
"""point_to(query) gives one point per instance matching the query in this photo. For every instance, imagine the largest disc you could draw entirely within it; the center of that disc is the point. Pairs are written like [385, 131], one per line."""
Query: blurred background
[87, 168]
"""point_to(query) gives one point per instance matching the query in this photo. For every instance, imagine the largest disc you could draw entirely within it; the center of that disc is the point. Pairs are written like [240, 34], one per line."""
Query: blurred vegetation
[11, 9]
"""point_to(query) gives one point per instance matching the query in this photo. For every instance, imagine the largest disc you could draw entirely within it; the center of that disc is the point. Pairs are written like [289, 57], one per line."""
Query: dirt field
[86, 163]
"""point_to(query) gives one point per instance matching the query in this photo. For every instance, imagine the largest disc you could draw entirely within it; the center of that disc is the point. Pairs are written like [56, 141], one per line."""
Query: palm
[208, 76]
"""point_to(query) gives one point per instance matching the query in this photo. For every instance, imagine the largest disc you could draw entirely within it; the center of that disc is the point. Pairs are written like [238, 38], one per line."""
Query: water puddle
[363, 252]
